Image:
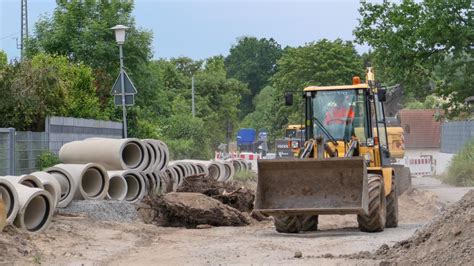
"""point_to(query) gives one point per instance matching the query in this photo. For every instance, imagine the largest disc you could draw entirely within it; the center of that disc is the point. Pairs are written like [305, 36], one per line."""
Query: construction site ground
[78, 239]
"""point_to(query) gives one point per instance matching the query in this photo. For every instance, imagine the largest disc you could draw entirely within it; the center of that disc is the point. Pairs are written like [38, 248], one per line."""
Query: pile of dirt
[416, 206]
[180, 209]
[229, 193]
[447, 240]
[15, 245]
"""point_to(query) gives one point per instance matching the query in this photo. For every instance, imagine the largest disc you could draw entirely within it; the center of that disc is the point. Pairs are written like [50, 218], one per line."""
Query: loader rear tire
[375, 220]
[309, 223]
[392, 208]
[287, 224]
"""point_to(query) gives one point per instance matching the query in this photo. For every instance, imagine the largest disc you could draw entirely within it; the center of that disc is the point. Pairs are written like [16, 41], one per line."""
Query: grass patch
[245, 176]
[461, 170]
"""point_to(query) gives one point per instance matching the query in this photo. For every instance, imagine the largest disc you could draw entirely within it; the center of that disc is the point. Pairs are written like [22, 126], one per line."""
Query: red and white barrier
[421, 166]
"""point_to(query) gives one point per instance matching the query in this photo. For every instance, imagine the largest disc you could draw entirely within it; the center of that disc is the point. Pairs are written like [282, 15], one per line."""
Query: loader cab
[347, 113]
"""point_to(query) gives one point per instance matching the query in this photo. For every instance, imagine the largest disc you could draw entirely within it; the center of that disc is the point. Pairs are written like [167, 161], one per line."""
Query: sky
[202, 28]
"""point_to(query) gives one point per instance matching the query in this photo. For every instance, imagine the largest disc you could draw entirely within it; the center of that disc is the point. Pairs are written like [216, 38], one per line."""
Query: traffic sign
[128, 85]
[129, 99]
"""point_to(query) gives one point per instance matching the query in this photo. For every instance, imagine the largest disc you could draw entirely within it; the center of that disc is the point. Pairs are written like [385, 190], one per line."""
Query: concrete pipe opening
[64, 183]
[7, 197]
[132, 155]
[214, 171]
[93, 182]
[117, 188]
[36, 213]
[134, 187]
[29, 183]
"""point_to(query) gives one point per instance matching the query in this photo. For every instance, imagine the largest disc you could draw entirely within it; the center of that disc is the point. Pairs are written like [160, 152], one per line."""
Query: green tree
[320, 63]
[3, 59]
[80, 30]
[426, 46]
[46, 85]
[252, 61]
[259, 119]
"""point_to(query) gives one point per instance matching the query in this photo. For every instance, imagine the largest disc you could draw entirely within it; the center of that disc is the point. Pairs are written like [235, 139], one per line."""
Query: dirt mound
[447, 240]
[416, 206]
[15, 245]
[190, 210]
[229, 193]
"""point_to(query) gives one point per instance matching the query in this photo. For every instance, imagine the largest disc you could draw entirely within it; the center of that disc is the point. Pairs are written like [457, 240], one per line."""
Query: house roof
[421, 128]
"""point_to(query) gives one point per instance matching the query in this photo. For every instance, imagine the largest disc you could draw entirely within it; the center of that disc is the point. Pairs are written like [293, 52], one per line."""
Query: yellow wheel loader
[344, 167]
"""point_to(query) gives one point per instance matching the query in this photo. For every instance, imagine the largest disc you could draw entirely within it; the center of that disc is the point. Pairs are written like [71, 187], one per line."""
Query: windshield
[294, 133]
[341, 112]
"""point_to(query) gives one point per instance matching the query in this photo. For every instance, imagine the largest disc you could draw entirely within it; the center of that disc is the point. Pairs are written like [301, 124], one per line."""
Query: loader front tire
[287, 224]
[374, 221]
[309, 223]
[392, 208]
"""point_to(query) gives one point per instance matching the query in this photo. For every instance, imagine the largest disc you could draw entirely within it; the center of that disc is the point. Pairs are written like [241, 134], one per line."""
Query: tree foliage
[319, 63]
[426, 46]
[43, 86]
[253, 61]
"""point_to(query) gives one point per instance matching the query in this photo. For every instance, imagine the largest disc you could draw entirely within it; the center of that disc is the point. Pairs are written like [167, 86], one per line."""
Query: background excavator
[344, 168]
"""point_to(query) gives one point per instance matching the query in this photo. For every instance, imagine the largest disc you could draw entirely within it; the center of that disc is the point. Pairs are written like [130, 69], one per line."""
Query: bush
[47, 159]
[461, 170]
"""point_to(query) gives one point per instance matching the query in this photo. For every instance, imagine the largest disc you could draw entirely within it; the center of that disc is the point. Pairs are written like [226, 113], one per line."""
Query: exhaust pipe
[117, 187]
[10, 199]
[36, 208]
[51, 185]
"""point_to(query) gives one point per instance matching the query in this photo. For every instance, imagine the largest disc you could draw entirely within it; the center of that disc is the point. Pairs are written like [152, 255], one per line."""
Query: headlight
[295, 144]
[370, 142]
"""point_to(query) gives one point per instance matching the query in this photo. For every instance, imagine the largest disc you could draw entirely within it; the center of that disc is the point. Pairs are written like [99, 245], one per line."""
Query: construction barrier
[424, 165]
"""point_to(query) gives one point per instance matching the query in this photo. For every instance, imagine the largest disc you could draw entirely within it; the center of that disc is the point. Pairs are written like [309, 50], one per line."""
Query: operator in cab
[341, 114]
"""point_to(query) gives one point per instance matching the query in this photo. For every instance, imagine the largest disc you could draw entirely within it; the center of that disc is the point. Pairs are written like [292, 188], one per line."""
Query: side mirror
[289, 99]
[382, 95]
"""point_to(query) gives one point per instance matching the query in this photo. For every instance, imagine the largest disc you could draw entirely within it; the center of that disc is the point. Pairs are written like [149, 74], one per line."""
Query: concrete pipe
[151, 181]
[91, 180]
[112, 154]
[157, 153]
[51, 185]
[10, 199]
[135, 185]
[26, 180]
[36, 208]
[165, 154]
[117, 186]
[157, 176]
[237, 165]
[229, 171]
[66, 183]
[180, 172]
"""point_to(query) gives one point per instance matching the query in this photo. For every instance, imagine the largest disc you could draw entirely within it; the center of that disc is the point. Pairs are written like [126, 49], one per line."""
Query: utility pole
[24, 26]
[192, 96]
[122, 84]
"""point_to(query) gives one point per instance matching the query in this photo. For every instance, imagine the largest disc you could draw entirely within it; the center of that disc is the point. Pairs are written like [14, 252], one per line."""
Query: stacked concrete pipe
[80, 181]
[112, 154]
[51, 185]
[26, 180]
[136, 187]
[35, 208]
[10, 199]
[117, 186]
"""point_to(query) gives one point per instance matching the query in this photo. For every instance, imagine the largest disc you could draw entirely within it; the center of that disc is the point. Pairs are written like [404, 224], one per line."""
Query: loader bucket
[311, 186]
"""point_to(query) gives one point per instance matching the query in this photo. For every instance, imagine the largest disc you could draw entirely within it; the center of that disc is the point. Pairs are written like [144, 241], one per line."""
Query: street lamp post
[120, 39]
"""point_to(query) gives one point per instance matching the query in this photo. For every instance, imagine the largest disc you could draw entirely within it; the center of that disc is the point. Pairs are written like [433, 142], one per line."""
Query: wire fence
[19, 150]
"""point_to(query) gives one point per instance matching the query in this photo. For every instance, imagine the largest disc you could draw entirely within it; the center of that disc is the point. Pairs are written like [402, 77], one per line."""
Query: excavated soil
[187, 209]
[447, 240]
[229, 193]
[15, 244]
